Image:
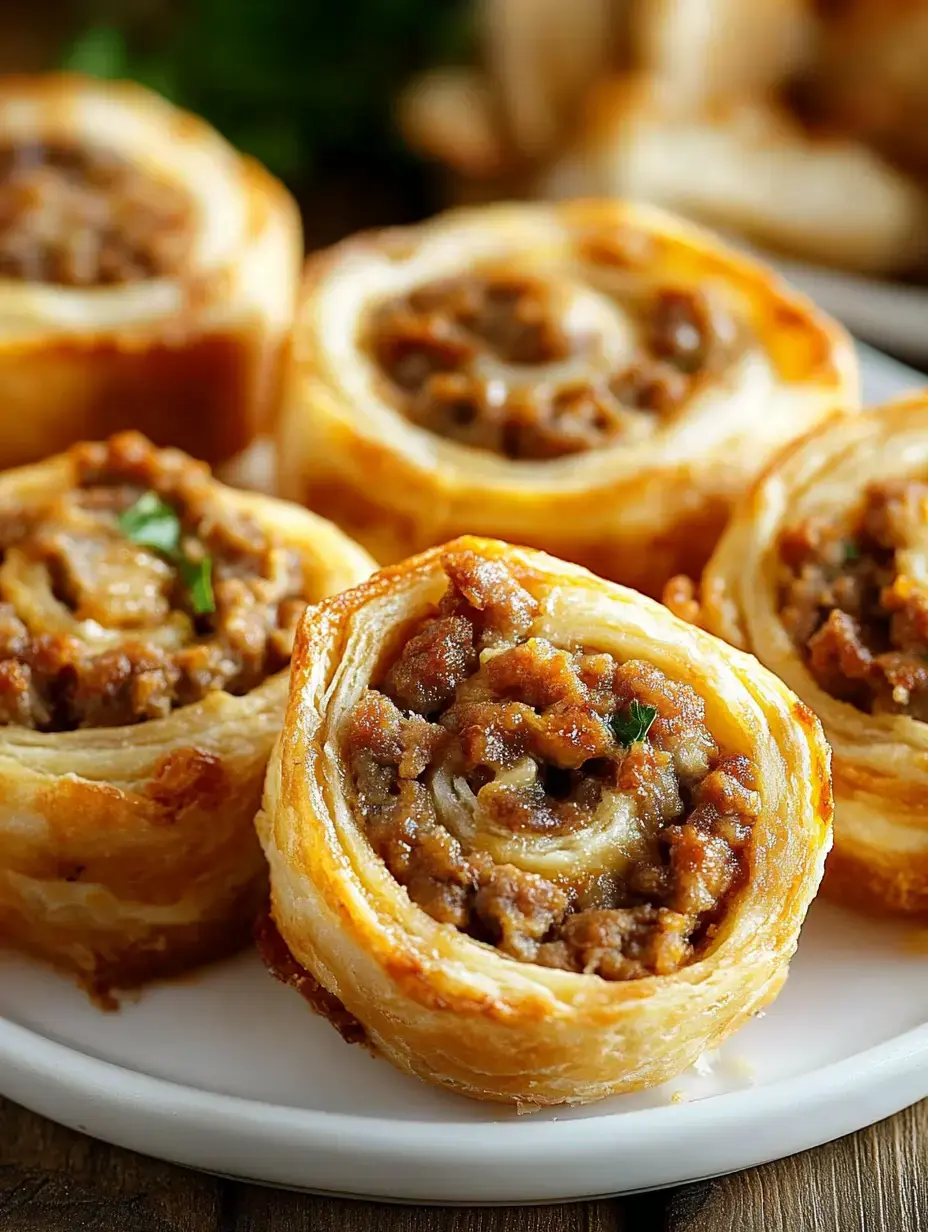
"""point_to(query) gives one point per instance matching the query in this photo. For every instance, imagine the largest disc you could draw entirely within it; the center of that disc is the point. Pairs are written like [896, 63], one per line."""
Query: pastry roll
[823, 574]
[146, 624]
[533, 837]
[717, 49]
[746, 165]
[595, 379]
[148, 273]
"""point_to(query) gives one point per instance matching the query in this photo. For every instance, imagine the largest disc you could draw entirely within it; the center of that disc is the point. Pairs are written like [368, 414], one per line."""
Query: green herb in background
[294, 84]
[633, 727]
[152, 523]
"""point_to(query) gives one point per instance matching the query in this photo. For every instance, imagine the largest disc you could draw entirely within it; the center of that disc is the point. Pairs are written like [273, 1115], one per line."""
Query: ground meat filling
[545, 744]
[85, 217]
[99, 631]
[491, 361]
[854, 600]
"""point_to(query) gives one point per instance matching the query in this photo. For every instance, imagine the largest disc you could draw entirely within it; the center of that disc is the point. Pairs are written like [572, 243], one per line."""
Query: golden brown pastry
[146, 623]
[148, 273]
[595, 379]
[534, 838]
[823, 574]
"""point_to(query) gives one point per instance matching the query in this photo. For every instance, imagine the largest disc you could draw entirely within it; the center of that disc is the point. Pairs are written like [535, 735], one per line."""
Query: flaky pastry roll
[596, 379]
[534, 838]
[146, 623]
[745, 164]
[148, 273]
[823, 574]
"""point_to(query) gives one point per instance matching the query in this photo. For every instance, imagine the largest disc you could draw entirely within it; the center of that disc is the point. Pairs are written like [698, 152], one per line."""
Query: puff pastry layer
[821, 574]
[135, 729]
[187, 351]
[518, 902]
[595, 379]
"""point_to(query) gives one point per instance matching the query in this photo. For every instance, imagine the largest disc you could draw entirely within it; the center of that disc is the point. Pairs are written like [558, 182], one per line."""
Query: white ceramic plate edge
[513, 1161]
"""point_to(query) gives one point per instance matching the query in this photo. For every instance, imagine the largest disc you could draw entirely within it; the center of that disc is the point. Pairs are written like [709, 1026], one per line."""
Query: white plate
[229, 1072]
[232, 1073]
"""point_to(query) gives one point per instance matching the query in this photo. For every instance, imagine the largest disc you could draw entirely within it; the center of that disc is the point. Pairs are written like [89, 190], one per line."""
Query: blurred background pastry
[147, 273]
[793, 125]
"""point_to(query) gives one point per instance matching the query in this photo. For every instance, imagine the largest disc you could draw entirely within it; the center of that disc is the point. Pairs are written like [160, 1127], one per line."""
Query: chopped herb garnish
[634, 726]
[851, 552]
[198, 578]
[152, 523]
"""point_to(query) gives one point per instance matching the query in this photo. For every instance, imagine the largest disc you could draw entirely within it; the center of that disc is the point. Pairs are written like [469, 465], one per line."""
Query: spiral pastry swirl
[595, 379]
[532, 836]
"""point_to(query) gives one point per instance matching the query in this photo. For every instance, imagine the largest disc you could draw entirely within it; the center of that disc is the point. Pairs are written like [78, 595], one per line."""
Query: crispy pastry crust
[193, 361]
[631, 512]
[129, 853]
[880, 858]
[454, 1011]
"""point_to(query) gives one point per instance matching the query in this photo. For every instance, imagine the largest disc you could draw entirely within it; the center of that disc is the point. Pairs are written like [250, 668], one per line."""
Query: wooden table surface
[53, 1180]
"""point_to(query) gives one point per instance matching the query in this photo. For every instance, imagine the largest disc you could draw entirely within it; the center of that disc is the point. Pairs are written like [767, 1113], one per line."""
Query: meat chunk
[433, 663]
[850, 606]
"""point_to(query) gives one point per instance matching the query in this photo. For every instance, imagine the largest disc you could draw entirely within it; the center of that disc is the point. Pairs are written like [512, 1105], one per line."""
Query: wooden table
[53, 1180]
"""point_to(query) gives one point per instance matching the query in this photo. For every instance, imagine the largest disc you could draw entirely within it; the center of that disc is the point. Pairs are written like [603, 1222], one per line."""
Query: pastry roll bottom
[494, 822]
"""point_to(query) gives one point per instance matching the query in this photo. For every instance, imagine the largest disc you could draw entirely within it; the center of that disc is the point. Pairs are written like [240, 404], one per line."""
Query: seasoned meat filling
[499, 362]
[480, 739]
[85, 217]
[854, 599]
[101, 628]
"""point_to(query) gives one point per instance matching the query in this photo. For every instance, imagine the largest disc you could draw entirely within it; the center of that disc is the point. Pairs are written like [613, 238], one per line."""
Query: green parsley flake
[633, 727]
[851, 552]
[198, 578]
[153, 524]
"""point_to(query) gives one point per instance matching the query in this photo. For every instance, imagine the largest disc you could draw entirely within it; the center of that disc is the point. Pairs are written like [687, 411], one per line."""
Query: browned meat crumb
[159, 652]
[846, 599]
[543, 737]
[84, 217]
[466, 359]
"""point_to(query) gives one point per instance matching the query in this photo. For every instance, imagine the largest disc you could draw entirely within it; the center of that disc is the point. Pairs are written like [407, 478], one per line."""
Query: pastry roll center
[137, 591]
[84, 216]
[538, 365]
[568, 808]
[853, 596]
